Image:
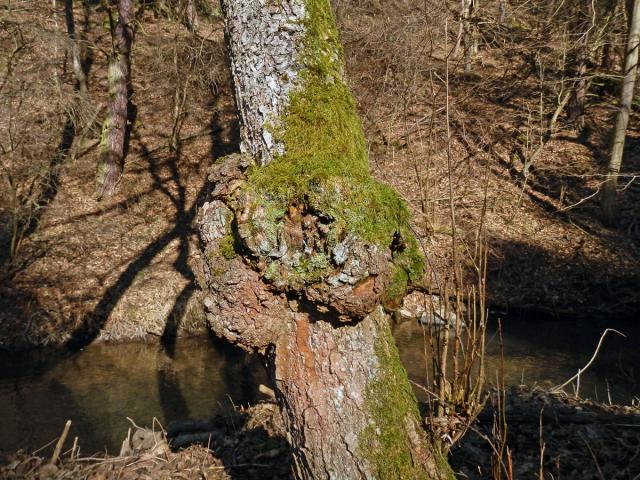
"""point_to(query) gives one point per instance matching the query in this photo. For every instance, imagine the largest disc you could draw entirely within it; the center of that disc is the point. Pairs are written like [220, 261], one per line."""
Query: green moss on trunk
[393, 405]
[325, 164]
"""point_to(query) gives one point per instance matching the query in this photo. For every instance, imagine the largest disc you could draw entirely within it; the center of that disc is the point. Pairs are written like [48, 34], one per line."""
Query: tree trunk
[76, 49]
[608, 200]
[468, 34]
[502, 11]
[302, 246]
[190, 16]
[114, 129]
[581, 28]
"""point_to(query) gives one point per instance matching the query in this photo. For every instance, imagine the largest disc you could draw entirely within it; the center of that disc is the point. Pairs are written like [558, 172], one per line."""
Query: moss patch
[325, 164]
[393, 404]
[226, 246]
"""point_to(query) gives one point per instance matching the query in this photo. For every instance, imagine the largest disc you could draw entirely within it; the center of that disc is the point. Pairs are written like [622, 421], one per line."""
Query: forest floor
[126, 267]
[547, 436]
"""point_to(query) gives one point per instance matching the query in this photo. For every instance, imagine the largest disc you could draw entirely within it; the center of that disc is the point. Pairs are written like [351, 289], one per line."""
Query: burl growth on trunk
[261, 259]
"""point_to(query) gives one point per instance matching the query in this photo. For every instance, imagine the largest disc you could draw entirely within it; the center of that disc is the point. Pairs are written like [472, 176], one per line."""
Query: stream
[98, 387]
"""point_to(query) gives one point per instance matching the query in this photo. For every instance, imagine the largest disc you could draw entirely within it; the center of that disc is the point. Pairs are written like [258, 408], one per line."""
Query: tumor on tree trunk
[113, 142]
[303, 249]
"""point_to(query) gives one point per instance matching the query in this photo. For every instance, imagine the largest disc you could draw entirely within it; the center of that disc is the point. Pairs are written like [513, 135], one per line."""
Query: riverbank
[127, 267]
[549, 432]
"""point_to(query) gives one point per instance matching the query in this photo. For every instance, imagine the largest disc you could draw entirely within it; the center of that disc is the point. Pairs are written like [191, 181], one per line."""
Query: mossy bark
[303, 246]
[114, 128]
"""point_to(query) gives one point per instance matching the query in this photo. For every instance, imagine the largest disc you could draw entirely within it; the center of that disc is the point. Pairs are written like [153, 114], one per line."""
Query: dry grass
[548, 249]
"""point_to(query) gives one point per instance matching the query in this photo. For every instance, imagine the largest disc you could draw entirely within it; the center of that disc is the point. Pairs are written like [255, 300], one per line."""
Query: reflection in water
[99, 387]
[546, 353]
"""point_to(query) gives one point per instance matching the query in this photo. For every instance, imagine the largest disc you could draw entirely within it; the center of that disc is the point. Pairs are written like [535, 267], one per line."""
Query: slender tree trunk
[582, 27]
[576, 108]
[190, 15]
[468, 34]
[288, 269]
[608, 200]
[607, 56]
[114, 129]
[502, 11]
[54, 13]
[76, 49]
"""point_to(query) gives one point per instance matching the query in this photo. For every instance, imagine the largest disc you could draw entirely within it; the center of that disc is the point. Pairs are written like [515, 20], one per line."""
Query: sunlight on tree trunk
[608, 201]
[113, 140]
[502, 11]
[302, 247]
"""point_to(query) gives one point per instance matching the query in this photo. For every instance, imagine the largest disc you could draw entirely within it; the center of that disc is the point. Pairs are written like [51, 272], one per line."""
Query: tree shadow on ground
[573, 284]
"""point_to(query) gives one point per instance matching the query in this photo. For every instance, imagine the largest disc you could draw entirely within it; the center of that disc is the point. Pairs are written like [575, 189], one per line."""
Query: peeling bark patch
[303, 347]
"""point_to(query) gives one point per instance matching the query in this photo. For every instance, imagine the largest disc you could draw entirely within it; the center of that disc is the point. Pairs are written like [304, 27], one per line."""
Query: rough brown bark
[346, 401]
[347, 404]
[114, 129]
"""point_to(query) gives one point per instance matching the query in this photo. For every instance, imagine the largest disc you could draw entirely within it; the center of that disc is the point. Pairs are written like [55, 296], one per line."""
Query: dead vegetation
[247, 444]
[123, 267]
[535, 193]
[550, 433]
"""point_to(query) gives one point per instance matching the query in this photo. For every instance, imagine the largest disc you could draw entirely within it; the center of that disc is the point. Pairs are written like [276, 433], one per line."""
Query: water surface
[99, 387]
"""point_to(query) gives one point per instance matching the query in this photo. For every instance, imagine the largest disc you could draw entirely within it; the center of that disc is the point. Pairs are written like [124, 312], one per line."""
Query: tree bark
[608, 199]
[502, 11]
[76, 49]
[114, 129]
[287, 276]
[581, 29]
[468, 33]
[190, 16]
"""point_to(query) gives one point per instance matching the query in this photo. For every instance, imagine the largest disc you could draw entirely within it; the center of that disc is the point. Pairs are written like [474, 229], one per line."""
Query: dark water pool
[547, 352]
[99, 387]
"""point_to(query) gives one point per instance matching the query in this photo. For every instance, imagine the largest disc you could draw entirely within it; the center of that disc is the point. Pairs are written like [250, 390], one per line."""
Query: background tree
[630, 73]
[113, 143]
[77, 62]
[302, 246]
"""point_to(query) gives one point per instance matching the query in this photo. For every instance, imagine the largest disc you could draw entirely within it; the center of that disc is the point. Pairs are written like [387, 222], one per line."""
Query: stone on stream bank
[427, 309]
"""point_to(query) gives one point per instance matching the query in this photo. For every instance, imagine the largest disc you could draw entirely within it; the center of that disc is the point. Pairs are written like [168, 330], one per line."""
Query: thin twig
[593, 357]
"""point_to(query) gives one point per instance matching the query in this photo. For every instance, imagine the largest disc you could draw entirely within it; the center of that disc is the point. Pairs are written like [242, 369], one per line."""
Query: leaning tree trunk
[608, 200]
[302, 247]
[114, 129]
